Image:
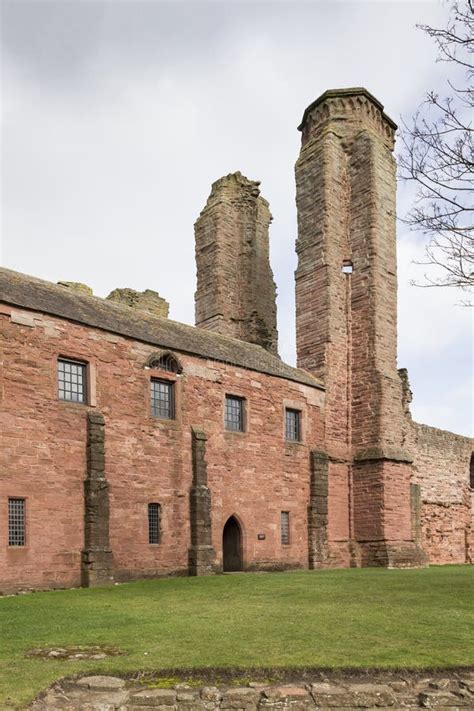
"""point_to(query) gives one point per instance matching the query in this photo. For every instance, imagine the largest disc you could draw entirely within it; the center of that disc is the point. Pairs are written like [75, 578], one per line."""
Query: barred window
[292, 425]
[285, 527]
[16, 522]
[154, 515]
[234, 413]
[162, 399]
[72, 380]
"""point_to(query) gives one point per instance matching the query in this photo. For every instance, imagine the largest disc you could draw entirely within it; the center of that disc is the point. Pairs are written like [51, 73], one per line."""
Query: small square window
[72, 380]
[234, 413]
[16, 522]
[154, 515]
[162, 399]
[285, 528]
[292, 425]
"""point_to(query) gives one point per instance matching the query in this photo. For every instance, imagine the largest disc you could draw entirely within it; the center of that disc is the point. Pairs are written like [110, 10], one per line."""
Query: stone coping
[444, 690]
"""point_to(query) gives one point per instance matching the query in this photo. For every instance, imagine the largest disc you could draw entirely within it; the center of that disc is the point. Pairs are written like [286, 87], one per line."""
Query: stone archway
[232, 546]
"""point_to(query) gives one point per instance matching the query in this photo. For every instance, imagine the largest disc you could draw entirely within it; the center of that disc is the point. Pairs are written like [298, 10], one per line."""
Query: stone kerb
[107, 693]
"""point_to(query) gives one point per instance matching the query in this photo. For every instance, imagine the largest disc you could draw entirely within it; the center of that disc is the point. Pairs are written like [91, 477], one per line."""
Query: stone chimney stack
[235, 289]
[346, 310]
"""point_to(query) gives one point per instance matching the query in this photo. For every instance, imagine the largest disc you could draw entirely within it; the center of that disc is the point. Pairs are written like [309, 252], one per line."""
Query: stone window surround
[174, 379]
[159, 531]
[285, 528]
[245, 413]
[91, 379]
[13, 548]
[295, 405]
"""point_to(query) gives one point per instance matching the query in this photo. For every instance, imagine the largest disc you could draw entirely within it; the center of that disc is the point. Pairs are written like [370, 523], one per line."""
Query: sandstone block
[241, 698]
[100, 683]
[154, 698]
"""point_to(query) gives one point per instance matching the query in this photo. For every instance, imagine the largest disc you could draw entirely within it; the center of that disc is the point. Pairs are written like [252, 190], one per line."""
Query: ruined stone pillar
[235, 289]
[97, 560]
[318, 510]
[201, 552]
[346, 310]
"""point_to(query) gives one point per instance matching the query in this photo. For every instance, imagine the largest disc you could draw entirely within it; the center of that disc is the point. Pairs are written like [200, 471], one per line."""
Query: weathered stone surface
[101, 683]
[201, 554]
[97, 560]
[154, 697]
[345, 194]
[349, 693]
[241, 698]
[368, 695]
[444, 700]
[286, 697]
[328, 695]
[236, 294]
[149, 301]
[77, 286]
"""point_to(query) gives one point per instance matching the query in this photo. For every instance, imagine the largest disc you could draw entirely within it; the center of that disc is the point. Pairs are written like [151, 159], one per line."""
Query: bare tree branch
[438, 157]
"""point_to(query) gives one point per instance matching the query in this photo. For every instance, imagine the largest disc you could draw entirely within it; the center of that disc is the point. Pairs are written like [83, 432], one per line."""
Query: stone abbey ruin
[133, 446]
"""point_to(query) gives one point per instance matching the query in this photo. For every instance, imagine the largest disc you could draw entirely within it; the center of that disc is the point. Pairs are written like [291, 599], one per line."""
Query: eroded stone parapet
[236, 293]
[149, 301]
[77, 286]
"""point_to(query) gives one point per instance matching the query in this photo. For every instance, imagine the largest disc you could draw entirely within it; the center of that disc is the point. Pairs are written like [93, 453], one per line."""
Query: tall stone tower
[346, 313]
[235, 289]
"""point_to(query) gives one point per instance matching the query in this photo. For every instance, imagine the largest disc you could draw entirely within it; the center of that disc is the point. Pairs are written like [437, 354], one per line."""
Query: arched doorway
[232, 545]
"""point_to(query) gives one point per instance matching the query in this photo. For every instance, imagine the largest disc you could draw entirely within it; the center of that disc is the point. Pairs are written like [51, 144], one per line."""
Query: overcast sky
[118, 116]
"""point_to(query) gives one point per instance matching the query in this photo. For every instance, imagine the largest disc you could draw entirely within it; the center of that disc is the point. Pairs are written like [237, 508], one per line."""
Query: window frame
[85, 380]
[10, 522]
[151, 530]
[285, 528]
[299, 422]
[242, 413]
[171, 384]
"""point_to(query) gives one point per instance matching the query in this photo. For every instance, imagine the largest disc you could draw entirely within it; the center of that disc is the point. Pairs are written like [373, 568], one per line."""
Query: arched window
[164, 361]
[471, 472]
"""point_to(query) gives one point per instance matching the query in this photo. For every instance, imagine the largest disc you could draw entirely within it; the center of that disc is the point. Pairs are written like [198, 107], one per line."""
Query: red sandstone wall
[442, 470]
[43, 440]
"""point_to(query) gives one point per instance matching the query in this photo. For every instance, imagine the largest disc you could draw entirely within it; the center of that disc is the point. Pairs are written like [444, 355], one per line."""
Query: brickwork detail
[201, 554]
[235, 288]
[97, 561]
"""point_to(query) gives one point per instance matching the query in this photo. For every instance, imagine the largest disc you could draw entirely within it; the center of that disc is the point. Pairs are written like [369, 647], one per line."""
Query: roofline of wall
[350, 91]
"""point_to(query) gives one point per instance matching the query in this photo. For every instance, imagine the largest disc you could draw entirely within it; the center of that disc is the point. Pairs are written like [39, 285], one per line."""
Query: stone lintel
[392, 454]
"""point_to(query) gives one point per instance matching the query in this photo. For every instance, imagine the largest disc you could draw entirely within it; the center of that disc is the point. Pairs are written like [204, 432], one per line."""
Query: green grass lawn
[333, 619]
